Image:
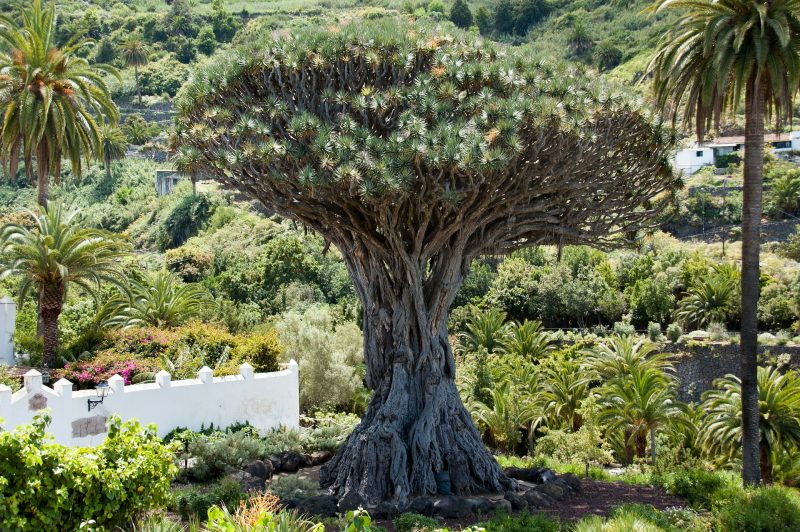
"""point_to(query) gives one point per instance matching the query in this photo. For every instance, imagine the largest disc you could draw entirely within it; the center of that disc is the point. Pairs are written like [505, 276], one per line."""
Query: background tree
[414, 152]
[113, 145]
[504, 17]
[50, 97]
[53, 256]
[135, 54]
[222, 22]
[460, 15]
[483, 20]
[716, 53]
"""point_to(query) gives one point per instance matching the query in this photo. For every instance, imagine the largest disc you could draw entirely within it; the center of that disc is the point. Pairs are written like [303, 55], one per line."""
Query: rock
[288, 504]
[305, 460]
[481, 506]
[277, 463]
[505, 506]
[516, 500]
[552, 489]
[290, 462]
[384, 510]
[320, 457]
[260, 469]
[248, 482]
[319, 505]
[536, 475]
[350, 501]
[563, 485]
[572, 481]
[451, 507]
[421, 506]
[536, 500]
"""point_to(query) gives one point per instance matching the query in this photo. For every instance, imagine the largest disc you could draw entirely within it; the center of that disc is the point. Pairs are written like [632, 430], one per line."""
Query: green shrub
[674, 332]
[195, 501]
[191, 262]
[703, 489]
[292, 487]
[654, 331]
[622, 328]
[217, 455]
[47, 486]
[8, 378]
[761, 510]
[186, 218]
[411, 522]
[262, 351]
[523, 522]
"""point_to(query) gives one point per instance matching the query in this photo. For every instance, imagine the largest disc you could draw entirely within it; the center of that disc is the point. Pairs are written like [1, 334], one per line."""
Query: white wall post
[206, 375]
[33, 381]
[246, 371]
[163, 379]
[8, 320]
[63, 387]
[5, 396]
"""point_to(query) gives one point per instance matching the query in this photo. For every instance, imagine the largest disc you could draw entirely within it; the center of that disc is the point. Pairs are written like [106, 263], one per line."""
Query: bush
[523, 522]
[217, 455]
[654, 331]
[186, 218]
[192, 263]
[8, 378]
[411, 522]
[674, 332]
[622, 328]
[47, 486]
[262, 351]
[761, 510]
[196, 501]
[292, 487]
[703, 489]
[87, 374]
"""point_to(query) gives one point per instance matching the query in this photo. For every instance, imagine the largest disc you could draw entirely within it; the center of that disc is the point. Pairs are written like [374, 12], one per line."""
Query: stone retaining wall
[698, 365]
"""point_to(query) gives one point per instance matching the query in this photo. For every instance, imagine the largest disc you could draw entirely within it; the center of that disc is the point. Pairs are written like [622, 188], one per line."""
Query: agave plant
[162, 300]
[720, 435]
[527, 339]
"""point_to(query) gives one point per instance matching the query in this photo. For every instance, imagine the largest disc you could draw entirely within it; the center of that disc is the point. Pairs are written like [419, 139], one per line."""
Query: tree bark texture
[751, 222]
[51, 301]
[42, 174]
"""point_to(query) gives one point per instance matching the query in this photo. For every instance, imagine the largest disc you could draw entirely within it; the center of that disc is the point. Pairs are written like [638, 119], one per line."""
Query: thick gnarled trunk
[51, 301]
[416, 427]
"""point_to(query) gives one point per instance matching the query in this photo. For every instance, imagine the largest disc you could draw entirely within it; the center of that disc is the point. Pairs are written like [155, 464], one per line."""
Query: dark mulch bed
[598, 498]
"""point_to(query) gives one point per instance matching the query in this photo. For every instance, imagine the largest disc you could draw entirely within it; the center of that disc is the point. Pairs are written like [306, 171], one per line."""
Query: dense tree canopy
[414, 151]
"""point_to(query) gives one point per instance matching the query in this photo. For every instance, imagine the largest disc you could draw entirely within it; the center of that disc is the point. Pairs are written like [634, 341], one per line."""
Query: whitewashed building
[690, 160]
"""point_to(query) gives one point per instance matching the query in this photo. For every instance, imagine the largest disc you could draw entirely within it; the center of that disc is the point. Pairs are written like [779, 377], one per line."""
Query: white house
[690, 160]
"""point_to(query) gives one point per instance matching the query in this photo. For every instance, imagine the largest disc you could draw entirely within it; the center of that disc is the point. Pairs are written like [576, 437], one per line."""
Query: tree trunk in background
[653, 445]
[138, 85]
[640, 442]
[42, 174]
[751, 222]
[51, 300]
[765, 465]
[415, 425]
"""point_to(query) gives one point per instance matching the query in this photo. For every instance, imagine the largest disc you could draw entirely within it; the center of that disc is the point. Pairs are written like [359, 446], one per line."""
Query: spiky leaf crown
[384, 113]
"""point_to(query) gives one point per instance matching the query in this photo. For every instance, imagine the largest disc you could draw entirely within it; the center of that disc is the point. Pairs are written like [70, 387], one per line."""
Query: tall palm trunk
[51, 301]
[751, 221]
[640, 442]
[107, 162]
[42, 174]
[765, 465]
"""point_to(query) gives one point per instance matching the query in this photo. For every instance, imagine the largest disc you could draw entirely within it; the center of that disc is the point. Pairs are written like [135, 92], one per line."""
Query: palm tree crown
[50, 96]
[134, 52]
[113, 145]
[702, 69]
[162, 300]
[54, 255]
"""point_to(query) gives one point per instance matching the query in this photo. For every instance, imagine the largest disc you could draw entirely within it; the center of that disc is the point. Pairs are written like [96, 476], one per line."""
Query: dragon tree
[413, 151]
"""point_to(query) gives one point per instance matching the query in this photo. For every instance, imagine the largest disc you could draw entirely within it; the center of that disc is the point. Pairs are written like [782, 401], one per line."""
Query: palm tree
[162, 300]
[616, 357]
[54, 255]
[563, 391]
[134, 52]
[779, 417]
[639, 404]
[49, 96]
[527, 339]
[113, 145]
[485, 330]
[716, 53]
[708, 301]
[506, 418]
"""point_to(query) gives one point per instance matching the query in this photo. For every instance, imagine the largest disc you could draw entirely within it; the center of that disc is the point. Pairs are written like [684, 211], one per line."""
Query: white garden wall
[265, 400]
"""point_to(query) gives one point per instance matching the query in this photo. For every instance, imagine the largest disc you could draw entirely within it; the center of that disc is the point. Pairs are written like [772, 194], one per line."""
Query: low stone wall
[265, 400]
[698, 365]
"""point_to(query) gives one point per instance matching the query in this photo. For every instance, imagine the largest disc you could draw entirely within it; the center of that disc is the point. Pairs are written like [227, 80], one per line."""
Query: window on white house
[699, 153]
